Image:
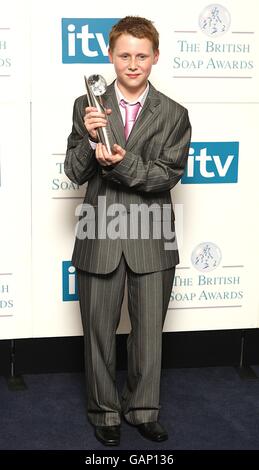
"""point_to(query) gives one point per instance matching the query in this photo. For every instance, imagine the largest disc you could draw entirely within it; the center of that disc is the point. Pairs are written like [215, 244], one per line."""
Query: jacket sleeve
[157, 175]
[80, 162]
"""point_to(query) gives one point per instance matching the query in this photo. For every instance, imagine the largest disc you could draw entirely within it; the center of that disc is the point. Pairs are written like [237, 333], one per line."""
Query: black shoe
[153, 431]
[108, 435]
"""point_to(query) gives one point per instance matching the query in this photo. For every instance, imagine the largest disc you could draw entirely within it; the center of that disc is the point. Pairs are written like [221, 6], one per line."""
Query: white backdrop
[215, 77]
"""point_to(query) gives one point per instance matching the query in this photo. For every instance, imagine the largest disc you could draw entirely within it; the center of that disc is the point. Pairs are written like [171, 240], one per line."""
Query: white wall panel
[214, 75]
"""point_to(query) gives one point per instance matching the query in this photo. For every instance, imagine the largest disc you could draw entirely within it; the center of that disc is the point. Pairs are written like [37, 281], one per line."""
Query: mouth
[133, 75]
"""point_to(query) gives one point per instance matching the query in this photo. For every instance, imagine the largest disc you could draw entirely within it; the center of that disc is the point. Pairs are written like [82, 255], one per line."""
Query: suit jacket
[156, 155]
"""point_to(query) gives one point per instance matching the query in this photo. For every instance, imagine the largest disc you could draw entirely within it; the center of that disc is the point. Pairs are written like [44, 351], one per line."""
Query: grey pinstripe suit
[156, 155]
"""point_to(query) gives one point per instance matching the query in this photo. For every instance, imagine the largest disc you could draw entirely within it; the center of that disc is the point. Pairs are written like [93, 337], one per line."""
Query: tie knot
[131, 109]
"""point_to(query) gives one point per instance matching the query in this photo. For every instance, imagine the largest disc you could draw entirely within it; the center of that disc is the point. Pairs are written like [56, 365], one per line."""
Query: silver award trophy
[95, 88]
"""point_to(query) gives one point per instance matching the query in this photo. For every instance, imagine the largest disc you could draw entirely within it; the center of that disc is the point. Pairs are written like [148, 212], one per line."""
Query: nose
[133, 64]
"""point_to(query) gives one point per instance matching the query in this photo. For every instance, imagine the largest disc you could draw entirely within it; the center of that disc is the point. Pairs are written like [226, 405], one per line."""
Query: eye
[142, 57]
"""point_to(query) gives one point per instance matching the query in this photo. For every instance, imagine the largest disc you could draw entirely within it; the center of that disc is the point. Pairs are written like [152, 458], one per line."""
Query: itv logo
[212, 162]
[69, 278]
[86, 40]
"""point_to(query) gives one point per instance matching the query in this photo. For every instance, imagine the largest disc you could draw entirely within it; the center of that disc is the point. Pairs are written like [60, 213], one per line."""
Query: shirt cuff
[92, 143]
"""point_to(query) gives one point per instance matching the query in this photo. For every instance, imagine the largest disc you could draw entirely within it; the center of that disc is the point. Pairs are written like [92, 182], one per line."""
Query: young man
[129, 189]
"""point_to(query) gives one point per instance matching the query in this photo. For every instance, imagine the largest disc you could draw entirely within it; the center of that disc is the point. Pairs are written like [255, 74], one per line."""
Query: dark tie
[131, 111]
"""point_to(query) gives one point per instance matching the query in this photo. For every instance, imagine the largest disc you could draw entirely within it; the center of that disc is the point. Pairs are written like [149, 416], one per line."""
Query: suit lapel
[148, 114]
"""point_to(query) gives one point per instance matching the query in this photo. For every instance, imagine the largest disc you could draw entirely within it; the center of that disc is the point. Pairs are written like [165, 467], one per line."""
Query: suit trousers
[101, 297]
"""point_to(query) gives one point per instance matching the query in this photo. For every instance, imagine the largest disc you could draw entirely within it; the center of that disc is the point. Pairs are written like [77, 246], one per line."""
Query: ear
[110, 55]
[156, 56]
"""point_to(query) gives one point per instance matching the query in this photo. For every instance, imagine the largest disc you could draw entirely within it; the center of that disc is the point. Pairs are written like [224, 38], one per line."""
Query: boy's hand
[93, 119]
[105, 158]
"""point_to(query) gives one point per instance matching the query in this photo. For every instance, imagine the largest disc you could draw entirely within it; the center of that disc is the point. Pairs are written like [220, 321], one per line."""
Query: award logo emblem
[214, 20]
[206, 257]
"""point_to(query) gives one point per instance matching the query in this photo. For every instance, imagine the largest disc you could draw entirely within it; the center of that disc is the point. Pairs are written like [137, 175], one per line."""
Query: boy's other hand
[106, 159]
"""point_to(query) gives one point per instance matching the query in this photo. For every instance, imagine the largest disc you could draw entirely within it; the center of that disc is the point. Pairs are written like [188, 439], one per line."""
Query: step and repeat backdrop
[209, 62]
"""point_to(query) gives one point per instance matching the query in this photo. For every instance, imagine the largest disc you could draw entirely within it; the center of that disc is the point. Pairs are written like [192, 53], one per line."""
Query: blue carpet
[205, 408]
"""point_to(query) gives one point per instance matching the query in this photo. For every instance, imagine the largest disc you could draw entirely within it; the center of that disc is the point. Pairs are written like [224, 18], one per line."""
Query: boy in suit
[150, 141]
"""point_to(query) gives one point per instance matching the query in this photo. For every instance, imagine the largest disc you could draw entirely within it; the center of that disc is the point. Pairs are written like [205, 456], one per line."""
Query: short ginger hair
[136, 26]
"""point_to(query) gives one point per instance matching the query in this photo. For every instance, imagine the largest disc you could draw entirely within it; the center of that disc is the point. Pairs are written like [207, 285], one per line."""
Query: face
[133, 59]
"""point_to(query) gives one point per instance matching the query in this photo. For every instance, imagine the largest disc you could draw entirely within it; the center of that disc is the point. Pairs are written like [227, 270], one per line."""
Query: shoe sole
[109, 444]
[105, 443]
[163, 438]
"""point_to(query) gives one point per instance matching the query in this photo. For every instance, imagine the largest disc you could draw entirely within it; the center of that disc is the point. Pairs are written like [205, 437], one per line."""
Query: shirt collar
[141, 99]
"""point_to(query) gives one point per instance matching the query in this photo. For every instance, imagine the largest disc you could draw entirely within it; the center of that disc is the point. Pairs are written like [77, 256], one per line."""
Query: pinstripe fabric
[101, 298]
[156, 155]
